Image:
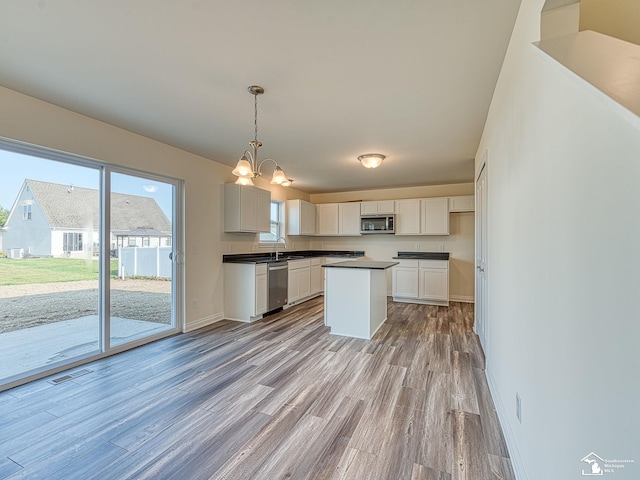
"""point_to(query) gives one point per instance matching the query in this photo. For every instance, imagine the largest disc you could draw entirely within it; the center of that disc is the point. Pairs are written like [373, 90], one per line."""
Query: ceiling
[411, 80]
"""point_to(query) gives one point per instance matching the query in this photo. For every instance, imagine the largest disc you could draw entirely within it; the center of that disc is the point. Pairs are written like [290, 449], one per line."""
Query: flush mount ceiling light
[371, 160]
[248, 166]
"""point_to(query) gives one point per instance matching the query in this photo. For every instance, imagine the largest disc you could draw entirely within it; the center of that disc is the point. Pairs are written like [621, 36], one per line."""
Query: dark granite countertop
[289, 255]
[422, 256]
[361, 264]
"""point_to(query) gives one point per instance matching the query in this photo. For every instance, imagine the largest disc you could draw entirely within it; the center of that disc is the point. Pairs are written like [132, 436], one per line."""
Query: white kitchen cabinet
[338, 219]
[434, 281]
[299, 280]
[327, 219]
[408, 216]
[462, 203]
[421, 281]
[317, 278]
[434, 216]
[301, 218]
[245, 291]
[262, 289]
[405, 279]
[247, 209]
[377, 207]
[349, 218]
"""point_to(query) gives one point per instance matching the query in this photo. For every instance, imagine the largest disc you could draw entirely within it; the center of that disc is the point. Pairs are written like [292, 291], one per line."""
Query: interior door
[481, 292]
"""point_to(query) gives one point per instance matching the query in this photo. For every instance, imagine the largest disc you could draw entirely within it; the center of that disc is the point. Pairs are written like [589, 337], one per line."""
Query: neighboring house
[49, 219]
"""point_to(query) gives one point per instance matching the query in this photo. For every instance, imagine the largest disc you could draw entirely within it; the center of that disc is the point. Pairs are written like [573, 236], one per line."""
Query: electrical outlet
[417, 247]
[230, 248]
[518, 408]
[195, 304]
[441, 247]
[194, 249]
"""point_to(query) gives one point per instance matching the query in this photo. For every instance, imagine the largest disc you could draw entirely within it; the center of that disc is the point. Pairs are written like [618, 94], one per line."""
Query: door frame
[178, 291]
[481, 295]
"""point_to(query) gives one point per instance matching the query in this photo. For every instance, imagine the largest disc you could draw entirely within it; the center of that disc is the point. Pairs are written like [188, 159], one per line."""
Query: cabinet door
[435, 216]
[463, 203]
[434, 284]
[369, 208]
[261, 294]
[316, 279]
[304, 282]
[405, 282]
[293, 291]
[263, 210]
[408, 217]
[387, 206]
[327, 214]
[248, 209]
[349, 217]
[307, 218]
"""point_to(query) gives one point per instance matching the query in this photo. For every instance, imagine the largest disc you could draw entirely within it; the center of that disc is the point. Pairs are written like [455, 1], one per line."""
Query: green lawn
[49, 270]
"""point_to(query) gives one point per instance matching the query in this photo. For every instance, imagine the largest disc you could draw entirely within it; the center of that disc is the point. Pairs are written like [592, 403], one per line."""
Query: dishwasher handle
[283, 267]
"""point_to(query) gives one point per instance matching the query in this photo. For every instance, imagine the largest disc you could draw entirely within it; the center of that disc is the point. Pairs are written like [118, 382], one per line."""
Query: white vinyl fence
[144, 261]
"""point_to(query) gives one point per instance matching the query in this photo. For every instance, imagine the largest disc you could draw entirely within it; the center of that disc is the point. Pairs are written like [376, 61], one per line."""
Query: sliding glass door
[142, 244]
[87, 260]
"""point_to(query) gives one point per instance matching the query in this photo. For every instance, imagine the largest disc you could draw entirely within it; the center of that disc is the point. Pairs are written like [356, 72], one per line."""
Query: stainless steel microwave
[377, 224]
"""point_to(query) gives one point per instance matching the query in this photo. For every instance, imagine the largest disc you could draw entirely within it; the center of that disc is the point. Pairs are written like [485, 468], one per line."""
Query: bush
[3, 254]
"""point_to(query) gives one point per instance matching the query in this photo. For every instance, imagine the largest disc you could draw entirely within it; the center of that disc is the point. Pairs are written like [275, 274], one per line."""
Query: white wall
[33, 121]
[564, 258]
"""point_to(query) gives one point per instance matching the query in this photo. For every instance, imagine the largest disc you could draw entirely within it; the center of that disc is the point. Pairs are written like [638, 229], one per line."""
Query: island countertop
[361, 264]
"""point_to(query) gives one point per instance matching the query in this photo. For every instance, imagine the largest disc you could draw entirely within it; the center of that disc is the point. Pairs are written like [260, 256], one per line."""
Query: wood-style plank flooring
[277, 399]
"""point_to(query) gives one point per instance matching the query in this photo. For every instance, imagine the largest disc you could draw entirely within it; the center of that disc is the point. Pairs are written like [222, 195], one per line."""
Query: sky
[15, 168]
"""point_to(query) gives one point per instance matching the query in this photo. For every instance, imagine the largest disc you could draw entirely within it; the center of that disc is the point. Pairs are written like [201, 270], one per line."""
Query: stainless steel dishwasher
[278, 284]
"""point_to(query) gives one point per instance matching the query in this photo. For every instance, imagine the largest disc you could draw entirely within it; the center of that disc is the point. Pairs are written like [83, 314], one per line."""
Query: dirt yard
[25, 306]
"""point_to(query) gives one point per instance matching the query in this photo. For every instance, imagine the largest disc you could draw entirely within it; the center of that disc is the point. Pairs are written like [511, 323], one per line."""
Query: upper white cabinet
[301, 218]
[435, 216]
[349, 218]
[377, 208]
[463, 203]
[338, 218]
[246, 209]
[408, 216]
[327, 219]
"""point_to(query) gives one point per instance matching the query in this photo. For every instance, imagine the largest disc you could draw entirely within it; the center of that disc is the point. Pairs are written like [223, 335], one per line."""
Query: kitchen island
[355, 297]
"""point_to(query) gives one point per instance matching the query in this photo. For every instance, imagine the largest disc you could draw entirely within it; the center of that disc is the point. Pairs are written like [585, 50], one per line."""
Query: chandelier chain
[255, 117]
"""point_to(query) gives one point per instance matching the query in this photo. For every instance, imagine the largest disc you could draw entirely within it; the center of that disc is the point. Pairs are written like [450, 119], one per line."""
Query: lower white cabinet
[299, 280]
[245, 291]
[405, 279]
[421, 281]
[317, 279]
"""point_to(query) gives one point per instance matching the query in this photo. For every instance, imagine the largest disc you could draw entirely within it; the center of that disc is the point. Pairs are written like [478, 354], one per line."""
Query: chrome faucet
[277, 241]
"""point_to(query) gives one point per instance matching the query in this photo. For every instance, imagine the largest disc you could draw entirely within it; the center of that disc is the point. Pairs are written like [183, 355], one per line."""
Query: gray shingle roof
[78, 207]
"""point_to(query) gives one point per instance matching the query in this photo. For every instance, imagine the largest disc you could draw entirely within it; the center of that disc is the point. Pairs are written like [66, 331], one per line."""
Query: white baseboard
[461, 298]
[203, 322]
[509, 437]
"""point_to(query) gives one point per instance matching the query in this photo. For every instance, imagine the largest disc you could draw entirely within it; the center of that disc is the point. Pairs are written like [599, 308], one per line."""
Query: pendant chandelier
[248, 166]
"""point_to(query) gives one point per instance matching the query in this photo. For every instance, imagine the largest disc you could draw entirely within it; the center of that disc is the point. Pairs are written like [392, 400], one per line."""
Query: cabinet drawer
[296, 264]
[261, 268]
[434, 264]
[408, 263]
